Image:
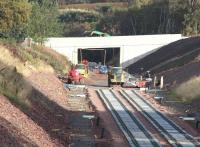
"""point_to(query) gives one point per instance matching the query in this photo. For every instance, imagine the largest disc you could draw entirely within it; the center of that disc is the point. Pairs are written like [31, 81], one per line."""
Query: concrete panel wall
[130, 46]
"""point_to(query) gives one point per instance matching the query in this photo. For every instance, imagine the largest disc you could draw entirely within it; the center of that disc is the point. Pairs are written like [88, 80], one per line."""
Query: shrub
[189, 90]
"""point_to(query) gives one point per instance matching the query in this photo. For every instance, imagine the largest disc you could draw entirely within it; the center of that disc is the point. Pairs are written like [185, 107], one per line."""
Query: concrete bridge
[118, 50]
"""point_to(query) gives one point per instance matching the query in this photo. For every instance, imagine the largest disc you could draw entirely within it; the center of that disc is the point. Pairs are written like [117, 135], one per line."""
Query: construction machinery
[116, 76]
[82, 69]
[74, 77]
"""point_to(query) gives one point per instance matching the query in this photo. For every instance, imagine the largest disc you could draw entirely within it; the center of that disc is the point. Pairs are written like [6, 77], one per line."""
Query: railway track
[135, 133]
[175, 135]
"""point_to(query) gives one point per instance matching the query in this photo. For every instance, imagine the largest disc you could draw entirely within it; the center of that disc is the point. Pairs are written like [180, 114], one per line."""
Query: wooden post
[104, 57]
[161, 82]
[197, 124]
[97, 121]
[154, 82]
[81, 55]
[102, 132]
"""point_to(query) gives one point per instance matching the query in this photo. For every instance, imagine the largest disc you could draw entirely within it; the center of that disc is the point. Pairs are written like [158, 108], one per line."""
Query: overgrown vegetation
[189, 91]
[14, 16]
[36, 19]
[40, 19]
[43, 21]
[13, 86]
[64, 2]
[77, 22]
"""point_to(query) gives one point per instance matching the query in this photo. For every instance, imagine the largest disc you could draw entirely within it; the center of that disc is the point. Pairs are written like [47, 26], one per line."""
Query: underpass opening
[107, 56]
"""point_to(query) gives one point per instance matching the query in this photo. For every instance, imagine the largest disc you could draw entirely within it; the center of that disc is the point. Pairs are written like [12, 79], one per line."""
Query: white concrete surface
[130, 46]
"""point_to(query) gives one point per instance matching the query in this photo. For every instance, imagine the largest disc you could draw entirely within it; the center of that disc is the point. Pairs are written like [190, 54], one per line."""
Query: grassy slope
[17, 63]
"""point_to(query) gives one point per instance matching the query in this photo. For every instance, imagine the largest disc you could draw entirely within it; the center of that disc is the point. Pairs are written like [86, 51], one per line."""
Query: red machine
[74, 76]
[141, 84]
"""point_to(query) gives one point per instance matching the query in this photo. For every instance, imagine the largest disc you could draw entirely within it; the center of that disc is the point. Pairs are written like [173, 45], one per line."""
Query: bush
[189, 90]
[13, 86]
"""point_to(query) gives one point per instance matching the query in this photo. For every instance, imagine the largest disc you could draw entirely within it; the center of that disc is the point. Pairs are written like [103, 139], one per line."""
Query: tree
[14, 17]
[192, 18]
[77, 22]
[43, 22]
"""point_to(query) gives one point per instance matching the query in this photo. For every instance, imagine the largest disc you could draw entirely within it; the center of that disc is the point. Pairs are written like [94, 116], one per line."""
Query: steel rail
[175, 135]
[135, 133]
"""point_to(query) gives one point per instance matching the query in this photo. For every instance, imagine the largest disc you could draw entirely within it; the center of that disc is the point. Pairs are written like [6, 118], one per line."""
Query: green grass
[13, 98]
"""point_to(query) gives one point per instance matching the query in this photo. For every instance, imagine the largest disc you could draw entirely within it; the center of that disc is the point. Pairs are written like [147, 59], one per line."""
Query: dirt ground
[44, 124]
[169, 110]
[50, 120]
[17, 129]
[53, 119]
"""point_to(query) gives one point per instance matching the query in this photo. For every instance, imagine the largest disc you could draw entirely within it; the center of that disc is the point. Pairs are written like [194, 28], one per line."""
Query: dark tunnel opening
[107, 56]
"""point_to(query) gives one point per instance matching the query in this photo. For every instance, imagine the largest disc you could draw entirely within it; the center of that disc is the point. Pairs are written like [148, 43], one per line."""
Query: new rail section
[175, 135]
[135, 133]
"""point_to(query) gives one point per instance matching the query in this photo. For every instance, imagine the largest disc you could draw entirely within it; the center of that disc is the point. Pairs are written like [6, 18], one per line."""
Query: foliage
[88, 1]
[75, 15]
[6, 91]
[14, 16]
[189, 90]
[13, 86]
[38, 19]
[192, 21]
[153, 17]
[43, 21]
[76, 22]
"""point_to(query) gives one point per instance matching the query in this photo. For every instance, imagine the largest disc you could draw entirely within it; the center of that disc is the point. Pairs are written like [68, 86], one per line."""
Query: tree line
[153, 17]
[139, 18]
[37, 19]
[64, 2]
[40, 19]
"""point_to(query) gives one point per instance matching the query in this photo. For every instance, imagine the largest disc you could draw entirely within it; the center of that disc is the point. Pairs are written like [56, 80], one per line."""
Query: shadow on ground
[10, 136]
[54, 119]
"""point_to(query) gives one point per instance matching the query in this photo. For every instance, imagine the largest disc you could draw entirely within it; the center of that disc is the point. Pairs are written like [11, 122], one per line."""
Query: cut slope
[184, 51]
[30, 116]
